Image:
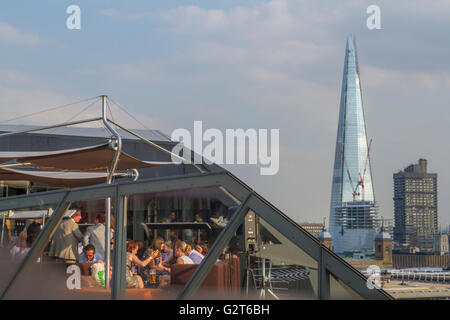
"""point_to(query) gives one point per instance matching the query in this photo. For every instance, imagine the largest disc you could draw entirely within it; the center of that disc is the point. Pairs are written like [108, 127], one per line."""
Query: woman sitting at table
[180, 253]
[135, 281]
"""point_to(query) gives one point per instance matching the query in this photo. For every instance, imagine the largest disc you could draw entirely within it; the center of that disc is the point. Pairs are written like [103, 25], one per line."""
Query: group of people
[20, 245]
[66, 240]
[145, 267]
[65, 243]
[152, 266]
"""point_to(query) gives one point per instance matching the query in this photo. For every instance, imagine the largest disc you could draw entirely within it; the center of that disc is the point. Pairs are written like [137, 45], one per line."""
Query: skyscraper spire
[353, 211]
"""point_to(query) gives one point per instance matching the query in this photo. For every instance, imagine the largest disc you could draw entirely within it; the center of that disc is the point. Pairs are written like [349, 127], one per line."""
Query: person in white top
[180, 253]
[195, 256]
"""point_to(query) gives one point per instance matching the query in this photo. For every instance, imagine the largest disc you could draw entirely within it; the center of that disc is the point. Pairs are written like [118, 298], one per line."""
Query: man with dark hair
[89, 255]
[65, 241]
[173, 235]
[32, 233]
[95, 235]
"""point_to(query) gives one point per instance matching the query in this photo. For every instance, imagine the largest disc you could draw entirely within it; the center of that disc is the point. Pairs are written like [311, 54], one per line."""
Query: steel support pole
[173, 155]
[65, 124]
[208, 262]
[263, 268]
[3, 229]
[41, 242]
[323, 278]
[107, 241]
[109, 180]
[119, 285]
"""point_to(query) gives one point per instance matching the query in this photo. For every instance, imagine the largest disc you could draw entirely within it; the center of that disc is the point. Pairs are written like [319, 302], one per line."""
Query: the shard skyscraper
[353, 210]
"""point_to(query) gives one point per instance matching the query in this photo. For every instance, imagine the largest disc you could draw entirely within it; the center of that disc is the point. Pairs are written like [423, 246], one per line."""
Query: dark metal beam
[119, 285]
[330, 262]
[303, 239]
[103, 191]
[196, 180]
[351, 277]
[41, 242]
[53, 197]
[323, 278]
[213, 254]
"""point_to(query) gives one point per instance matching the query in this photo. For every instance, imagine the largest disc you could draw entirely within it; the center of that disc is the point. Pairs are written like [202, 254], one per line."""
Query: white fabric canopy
[56, 178]
[97, 157]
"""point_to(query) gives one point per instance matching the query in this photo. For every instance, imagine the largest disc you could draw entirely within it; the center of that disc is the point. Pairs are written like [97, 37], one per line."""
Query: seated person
[135, 281]
[141, 250]
[195, 256]
[162, 262]
[202, 248]
[179, 250]
[180, 257]
[166, 252]
[25, 241]
[144, 272]
[89, 255]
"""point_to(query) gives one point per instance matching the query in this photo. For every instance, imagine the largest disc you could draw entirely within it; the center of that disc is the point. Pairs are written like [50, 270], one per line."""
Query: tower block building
[353, 210]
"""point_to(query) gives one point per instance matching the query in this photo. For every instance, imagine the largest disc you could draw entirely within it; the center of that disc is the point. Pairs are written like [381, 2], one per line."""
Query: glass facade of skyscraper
[353, 211]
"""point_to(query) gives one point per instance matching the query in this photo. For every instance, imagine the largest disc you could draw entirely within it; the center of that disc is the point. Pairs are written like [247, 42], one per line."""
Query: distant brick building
[383, 253]
[313, 228]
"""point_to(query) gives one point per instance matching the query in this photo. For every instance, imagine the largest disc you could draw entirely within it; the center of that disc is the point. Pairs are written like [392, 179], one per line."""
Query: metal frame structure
[112, 169]
[118, 147]
[41, 242]
[330, 265]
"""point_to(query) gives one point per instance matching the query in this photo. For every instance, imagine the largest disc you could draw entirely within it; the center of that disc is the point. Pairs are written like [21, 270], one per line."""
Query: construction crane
[361, 177]
[355, 191]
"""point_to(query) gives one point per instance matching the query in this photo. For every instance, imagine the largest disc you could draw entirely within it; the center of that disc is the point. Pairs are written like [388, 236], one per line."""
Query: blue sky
[249, 64]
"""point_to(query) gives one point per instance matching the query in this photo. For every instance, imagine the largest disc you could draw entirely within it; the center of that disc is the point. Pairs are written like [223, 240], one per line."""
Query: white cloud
[12, 35]
[264, 21]
[279, 64]
[406, 82]
[116, 14]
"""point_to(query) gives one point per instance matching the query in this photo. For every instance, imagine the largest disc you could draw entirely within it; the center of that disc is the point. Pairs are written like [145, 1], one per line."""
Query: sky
[246, 64]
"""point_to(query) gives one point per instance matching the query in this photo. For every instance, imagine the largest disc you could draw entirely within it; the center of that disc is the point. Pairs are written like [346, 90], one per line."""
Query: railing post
[119, 285]
[323, 277]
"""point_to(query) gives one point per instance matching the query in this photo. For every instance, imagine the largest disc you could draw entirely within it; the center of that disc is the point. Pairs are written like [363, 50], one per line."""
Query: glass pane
[284, 271]
[264, 264]
[340, 291]
[60, 271]
[178, 228]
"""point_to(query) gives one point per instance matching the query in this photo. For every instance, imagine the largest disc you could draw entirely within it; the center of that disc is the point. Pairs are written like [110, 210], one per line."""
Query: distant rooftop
[152, 135]
[420, 167]
[383, 235]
